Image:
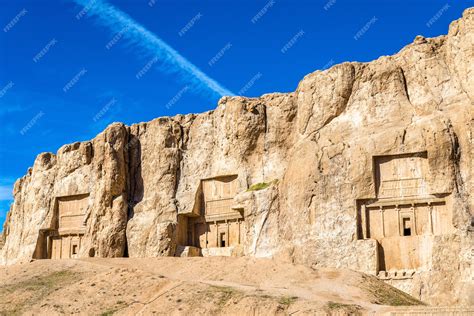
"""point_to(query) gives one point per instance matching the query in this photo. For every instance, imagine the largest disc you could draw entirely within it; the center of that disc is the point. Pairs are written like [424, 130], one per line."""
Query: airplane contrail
[134, 34]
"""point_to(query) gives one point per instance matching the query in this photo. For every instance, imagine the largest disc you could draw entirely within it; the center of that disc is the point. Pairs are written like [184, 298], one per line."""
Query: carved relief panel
[401, 175]
[402, 212]
[217, 225]
[219, 196]
[65, 241]
[71, 212]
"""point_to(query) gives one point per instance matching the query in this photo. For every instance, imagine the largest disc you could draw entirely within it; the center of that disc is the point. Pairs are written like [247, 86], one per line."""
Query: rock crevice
[366, 166]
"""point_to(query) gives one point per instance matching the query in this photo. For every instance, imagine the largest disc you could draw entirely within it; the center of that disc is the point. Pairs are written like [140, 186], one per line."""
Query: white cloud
[150, 45]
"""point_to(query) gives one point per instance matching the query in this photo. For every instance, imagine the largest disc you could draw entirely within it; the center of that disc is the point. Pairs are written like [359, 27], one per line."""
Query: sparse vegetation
[108, 312]
[43, 284]
[261, 185]
[37, 288]
[118, 306]
[386, 295]
[287, 300]
[350, 309]
[224, 294]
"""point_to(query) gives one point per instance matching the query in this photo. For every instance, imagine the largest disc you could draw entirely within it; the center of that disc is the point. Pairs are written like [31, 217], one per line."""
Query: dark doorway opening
[406, 227]
[222, 240]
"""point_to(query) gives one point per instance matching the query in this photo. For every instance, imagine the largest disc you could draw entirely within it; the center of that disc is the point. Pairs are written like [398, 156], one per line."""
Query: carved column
[70, 246]
[430, 217]
[383, 224]
[363, 219]
[414, 219]
[238, 222]
[399, 224]
[48, 247]
[217, 234]
[228, 235]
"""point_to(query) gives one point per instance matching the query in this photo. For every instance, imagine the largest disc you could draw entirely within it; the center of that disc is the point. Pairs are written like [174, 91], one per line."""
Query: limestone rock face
[97, 168]
[367, 166]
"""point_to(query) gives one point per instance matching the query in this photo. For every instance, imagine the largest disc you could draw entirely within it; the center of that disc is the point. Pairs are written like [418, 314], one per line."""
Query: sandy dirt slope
[185, 286]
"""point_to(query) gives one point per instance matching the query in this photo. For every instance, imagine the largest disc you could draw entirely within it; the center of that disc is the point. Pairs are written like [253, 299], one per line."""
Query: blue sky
[68, 68]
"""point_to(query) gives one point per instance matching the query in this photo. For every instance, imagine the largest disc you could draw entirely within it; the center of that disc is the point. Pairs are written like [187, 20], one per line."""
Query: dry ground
[189, 286]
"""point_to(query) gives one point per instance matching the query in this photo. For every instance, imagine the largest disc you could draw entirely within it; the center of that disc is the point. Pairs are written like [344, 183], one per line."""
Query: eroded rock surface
[367, 166]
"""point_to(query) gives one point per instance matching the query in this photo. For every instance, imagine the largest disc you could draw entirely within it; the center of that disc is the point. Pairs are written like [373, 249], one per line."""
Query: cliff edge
[366, 166]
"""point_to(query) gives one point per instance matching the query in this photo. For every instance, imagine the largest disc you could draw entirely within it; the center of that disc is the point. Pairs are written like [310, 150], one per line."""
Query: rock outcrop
[367, 166]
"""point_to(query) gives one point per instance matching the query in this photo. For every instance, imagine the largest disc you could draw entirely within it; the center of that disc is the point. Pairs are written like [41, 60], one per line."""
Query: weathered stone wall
[97, 168]
[317, 142]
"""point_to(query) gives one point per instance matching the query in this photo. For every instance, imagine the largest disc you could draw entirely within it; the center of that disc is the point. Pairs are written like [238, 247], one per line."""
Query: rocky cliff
[313, 168]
